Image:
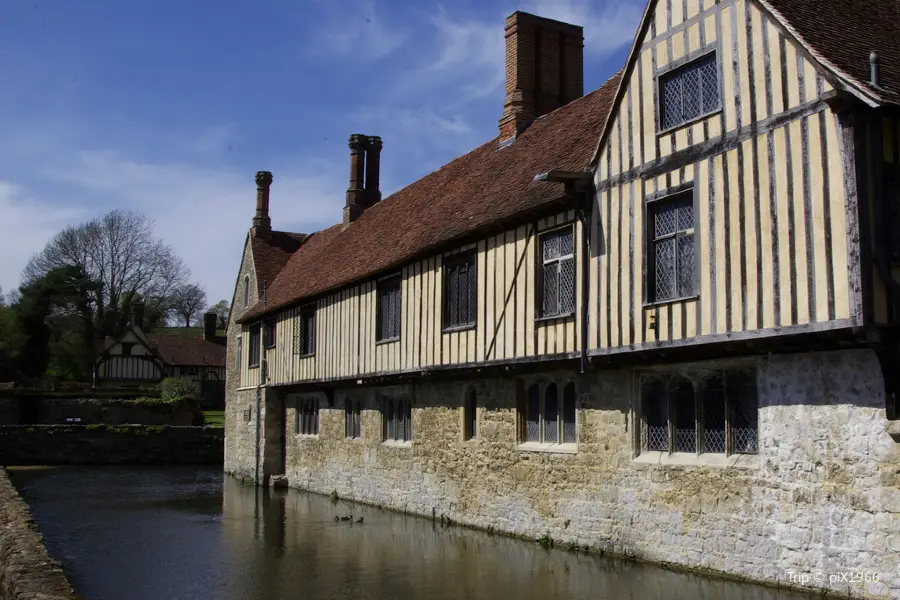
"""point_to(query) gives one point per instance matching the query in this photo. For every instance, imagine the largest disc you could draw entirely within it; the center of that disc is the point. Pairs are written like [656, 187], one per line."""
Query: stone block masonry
[26, 570]
[110, 445]
[821, 496]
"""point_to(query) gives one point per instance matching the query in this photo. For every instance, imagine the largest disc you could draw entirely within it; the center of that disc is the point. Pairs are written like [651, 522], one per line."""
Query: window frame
[729, 409]
[256, 331]
[268, 333]
[239, 354]
[380, 285]
[561, 444]
[305, 331]
[680, 65]
[470, 421]
[246, 291]
[539, 273]
[448, 263]
[389, 404]
[651, 203]
[352, 419]
[307, 416]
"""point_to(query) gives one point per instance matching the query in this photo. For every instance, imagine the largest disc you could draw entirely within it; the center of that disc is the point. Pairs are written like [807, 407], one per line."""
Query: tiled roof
[481, 188]
[188, 351]
[842, 34]
[271, 253]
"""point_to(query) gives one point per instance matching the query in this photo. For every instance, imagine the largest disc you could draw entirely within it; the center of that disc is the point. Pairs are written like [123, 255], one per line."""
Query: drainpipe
[581, 216]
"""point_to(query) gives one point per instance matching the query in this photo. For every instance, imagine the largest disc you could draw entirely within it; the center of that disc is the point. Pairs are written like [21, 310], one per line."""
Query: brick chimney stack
[262, 224]
[544, 70]
[137, 315]
[209, 326]
[365, 164]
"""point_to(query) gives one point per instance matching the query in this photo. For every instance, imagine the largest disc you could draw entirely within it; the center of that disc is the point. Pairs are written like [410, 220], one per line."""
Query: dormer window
[689, 92]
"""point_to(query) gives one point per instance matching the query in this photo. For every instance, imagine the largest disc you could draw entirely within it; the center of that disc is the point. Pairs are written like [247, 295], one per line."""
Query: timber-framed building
[658, 319]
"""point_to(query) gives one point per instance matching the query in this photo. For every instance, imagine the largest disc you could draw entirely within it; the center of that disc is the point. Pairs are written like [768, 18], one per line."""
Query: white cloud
[606, 28]
[27, 225]
[354, 28]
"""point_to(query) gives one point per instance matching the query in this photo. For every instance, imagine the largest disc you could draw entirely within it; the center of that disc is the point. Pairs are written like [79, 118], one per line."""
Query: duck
[350, 518]
[359, 520]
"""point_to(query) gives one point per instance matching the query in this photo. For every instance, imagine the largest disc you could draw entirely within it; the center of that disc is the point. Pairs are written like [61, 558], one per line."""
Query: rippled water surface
[173, 533]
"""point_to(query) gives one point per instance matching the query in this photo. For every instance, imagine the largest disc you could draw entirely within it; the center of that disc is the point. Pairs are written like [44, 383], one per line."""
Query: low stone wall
[110, 445]
[26, 570]
[33, 409]
[822, 496]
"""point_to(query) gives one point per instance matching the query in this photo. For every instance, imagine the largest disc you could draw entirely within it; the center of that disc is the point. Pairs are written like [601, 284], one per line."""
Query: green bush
[177, 389]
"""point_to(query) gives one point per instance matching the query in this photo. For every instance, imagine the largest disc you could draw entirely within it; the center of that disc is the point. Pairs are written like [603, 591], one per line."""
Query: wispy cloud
[355, 27]
[607, 26]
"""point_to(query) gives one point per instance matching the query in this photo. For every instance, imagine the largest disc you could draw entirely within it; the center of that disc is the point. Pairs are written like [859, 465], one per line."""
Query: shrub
[177, 389]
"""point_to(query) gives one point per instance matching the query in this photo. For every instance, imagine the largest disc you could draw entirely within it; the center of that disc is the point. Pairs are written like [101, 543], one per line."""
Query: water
[178, 533]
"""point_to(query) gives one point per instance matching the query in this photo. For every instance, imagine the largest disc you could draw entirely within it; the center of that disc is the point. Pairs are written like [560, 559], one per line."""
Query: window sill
[551, 318]
[458, 328]
[693, 121]
[387, 341]
[307, 436]
[548, 448]
[256, 366]
[672, 301]
[396, 444]
[687, 459]
[310, 355]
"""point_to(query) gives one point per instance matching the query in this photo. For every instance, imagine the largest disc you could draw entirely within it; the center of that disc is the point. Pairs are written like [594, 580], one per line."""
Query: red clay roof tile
[485, 186]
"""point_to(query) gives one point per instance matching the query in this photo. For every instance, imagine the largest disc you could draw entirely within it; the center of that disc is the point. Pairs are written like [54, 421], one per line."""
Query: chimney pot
[874, 68]
[262, 224]
[209, 326]
[544, 70]
[373, 166]
[365, 155]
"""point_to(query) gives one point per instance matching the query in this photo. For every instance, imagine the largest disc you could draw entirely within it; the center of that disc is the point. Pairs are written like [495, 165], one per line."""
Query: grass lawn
[216, 418]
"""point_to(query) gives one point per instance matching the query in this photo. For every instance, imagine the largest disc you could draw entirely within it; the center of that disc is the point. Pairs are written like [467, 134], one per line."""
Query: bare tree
[221, 308]
[120, 252]
[187, 301]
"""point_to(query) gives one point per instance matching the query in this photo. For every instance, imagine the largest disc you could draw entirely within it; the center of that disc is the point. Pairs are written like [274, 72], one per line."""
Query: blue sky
[169, 107]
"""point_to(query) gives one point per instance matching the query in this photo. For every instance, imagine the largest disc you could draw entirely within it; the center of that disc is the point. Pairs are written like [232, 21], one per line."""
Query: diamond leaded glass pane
[533, 415]
[550, 246]
[471, 286]
[551, 414]
[566, 242]
[453, 303]
[664, 220]
[682, 392]
[709, 74]
[567, 286]
[665, 269]
[685, 217]
[741, 391]
[671, 102]
[568, 414]
[551, 289]
[686, 265]
[691, 94]
[713, 399]
[656, 415]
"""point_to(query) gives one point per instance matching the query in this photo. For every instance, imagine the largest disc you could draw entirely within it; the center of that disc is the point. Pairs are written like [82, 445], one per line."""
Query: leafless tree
[120, 252]
[187, 301]
[221, 308]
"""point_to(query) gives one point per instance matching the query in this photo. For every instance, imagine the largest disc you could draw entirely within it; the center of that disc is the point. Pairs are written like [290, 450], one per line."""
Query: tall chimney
[373, 165]
[137, 315]
[262, 224]
[356, 193]
[544, 70]
[209, 326]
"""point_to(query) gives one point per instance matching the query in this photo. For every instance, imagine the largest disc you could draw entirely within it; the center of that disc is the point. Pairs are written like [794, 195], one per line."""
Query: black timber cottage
[658, 319]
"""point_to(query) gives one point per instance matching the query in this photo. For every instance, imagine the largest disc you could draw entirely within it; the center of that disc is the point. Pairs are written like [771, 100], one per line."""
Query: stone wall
[110, 445]
[823, 495]
[26, 570]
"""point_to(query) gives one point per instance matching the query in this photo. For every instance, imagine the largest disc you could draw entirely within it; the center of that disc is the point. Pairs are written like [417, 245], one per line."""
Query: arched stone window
[549, 418]
[246, 291]
[470, 415]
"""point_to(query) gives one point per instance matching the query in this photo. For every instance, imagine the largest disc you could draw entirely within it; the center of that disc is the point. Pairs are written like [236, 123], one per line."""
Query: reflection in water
[181, 534]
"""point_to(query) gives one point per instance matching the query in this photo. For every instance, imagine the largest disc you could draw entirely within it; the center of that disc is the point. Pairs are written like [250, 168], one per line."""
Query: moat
[187, 533]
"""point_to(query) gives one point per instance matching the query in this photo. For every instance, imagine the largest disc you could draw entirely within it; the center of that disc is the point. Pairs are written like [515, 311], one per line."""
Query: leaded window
[460, 291]
[306, 417]
[550, 414]
[388, 310]
[269, 333]
[352, 418]
[706, 411]
[672, 251]
[254, 347]
[557, 250]
[689, 92]
[305, 331]
[396, 418]
[470, 415]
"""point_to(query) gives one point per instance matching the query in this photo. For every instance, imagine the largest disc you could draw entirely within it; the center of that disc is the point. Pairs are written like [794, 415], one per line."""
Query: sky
[168, 108]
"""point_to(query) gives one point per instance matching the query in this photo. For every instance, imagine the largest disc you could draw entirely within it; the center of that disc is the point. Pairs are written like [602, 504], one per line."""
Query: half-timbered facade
[657, 319]
[137, 357]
